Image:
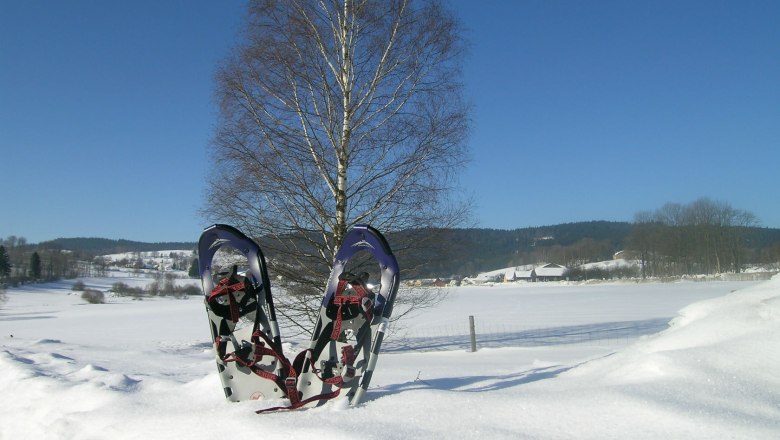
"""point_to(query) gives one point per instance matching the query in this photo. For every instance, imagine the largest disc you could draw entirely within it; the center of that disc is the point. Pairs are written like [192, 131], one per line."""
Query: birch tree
[335, 113]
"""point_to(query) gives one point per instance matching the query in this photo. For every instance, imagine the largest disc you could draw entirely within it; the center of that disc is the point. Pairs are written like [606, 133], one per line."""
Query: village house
[547, 272]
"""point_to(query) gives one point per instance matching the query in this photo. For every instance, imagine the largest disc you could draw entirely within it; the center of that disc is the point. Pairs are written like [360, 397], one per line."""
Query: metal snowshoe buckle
[291, 383]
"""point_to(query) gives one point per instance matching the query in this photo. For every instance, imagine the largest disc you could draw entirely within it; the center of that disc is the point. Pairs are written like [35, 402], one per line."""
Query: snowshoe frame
[343, 350]
[245, 372]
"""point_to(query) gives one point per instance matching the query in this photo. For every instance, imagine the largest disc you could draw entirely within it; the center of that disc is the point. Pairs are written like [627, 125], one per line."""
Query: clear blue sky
[583, 110]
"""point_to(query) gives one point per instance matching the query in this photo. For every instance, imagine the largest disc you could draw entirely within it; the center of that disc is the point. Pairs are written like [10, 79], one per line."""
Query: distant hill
[467, 252]
[470, 251]
[102, 246]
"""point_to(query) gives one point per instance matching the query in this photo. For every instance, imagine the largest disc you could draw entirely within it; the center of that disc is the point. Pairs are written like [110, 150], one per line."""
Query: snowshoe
[241, 314]
[353, 320]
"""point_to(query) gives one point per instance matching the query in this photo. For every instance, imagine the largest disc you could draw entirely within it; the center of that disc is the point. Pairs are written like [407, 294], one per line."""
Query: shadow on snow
[475, 384]
[606, 332]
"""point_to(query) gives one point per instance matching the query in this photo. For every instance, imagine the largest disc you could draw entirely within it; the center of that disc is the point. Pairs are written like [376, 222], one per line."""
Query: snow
[144, 369]
[156, 256]
[611, 264]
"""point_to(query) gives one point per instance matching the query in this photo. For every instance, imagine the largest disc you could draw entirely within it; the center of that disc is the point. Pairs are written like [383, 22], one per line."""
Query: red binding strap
[265, 346]
[340, 299]
[224, 288]
[292, 389]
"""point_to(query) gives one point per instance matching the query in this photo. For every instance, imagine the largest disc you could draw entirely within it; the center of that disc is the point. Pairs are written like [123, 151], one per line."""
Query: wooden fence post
[473, 334]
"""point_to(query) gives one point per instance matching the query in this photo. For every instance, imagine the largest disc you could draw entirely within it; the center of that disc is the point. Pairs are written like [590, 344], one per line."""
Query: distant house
[526, 275]
[518, 274]
[550, 272]
[625, 255]
[427, 282]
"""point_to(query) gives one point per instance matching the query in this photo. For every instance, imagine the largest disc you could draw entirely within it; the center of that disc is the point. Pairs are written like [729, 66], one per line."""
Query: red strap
[224, 288]
[292, 389]
[261, 349]
[264, 348]
[300, 403]
[340, 299]
[235, 315]
[291, 381]
[348, 355]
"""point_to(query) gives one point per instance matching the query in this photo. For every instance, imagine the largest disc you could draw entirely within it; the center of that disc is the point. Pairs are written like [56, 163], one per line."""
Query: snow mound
[715, 367]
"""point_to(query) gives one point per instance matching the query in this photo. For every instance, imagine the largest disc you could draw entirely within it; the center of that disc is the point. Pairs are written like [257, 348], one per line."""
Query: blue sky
[581, 111]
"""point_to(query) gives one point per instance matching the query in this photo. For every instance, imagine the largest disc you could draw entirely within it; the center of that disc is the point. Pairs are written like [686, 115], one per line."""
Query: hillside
[470, 251]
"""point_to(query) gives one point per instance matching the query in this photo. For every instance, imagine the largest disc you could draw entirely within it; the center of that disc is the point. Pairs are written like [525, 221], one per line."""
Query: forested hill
[462, 251]
[483, 241]
[469, 251]
[102, 246]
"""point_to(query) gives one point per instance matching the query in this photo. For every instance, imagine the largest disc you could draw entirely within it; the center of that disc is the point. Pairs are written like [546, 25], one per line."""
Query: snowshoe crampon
[242, 318]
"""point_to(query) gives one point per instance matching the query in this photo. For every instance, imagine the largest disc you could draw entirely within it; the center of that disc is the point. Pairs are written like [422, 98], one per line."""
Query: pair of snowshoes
[346, 339]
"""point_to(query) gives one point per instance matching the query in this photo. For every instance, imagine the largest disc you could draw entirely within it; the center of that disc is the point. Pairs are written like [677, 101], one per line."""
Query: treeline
[104, 246]
[65, 258]
[702, 237]
[161, 286]
[21, 262]
[467, 252]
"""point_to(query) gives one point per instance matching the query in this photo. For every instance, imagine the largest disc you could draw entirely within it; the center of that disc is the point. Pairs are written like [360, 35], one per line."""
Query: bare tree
[704, 236]
[334, 113]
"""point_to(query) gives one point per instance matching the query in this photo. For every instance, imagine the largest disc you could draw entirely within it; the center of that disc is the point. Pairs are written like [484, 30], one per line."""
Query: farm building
[550, 272]
[547, 272]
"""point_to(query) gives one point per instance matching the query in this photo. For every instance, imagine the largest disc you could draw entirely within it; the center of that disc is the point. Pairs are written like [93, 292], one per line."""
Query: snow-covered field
[144, 369]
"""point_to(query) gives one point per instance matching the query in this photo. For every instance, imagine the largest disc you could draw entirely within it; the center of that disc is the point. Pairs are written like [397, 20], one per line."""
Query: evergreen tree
[35, 266]
[5, 263]
[194, 270]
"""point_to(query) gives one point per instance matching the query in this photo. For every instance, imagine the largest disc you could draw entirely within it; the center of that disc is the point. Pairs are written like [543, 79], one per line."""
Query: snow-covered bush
[78, 286]
[188, 290]
[123, 289]
[93, 296]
